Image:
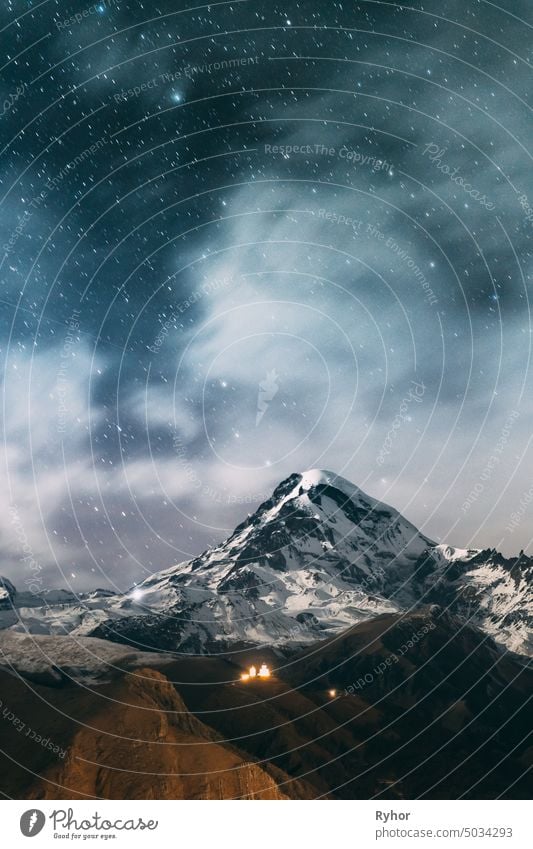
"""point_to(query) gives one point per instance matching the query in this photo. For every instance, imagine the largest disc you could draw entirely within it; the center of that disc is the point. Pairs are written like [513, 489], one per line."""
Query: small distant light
[332, 693]
[245, 676]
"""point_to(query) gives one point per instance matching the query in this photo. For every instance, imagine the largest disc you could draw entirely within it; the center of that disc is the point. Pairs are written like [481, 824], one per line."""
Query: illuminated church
[253, 672]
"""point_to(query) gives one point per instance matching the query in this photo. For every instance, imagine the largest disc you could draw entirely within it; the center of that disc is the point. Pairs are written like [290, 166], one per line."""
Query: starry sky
[244, 239]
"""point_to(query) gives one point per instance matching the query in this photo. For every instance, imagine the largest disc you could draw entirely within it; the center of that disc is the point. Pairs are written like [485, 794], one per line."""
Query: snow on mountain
[491, 591]
[7, 593]
[45, 659]
[317, 557]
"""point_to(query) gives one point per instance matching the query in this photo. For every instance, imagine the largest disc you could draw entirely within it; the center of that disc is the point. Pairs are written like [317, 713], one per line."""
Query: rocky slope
[401, 706]
[397, 707]
[96, 731]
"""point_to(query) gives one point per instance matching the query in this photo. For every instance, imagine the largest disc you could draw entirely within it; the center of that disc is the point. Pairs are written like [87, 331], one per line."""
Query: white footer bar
[268, 824]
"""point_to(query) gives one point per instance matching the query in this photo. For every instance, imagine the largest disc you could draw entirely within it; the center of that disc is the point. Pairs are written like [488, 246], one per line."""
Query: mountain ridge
[315, 558]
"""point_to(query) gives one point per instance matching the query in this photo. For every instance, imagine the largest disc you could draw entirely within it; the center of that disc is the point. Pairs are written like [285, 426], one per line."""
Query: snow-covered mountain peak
[315, 521]
[448, 552]
[7, 593]
[323, 477]
[323, 496]
[318, 556]
[299, 484]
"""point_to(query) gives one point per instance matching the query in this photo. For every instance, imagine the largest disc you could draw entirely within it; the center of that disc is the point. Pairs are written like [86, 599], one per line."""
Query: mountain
[110, 726]
[491, 591]
[317, 557]
[7, 594]
[401, 706]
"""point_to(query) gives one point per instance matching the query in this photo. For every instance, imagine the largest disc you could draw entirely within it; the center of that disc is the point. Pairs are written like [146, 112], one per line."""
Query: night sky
[244, 239]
